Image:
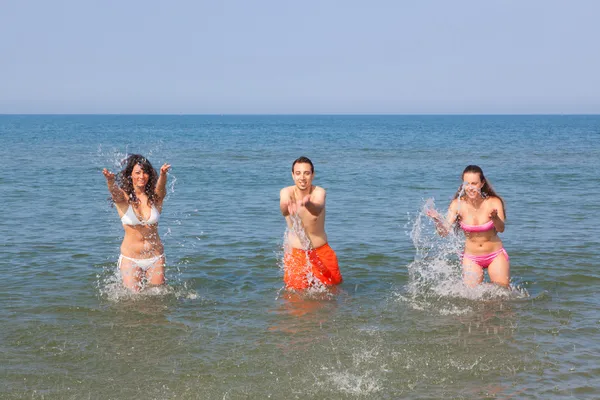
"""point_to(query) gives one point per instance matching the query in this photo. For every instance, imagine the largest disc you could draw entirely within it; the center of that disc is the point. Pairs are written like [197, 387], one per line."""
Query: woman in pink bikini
[479, 212]
[138, 193]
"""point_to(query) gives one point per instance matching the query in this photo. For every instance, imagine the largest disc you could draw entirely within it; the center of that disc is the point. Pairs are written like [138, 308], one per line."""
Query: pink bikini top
[478, 228]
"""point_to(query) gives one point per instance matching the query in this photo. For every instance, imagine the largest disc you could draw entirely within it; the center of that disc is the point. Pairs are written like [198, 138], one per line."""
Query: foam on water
[355, 384]
[360, 373]
[110, 286]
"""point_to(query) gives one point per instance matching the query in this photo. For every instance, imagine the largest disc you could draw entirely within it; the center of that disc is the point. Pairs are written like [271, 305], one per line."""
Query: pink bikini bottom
[485, 260]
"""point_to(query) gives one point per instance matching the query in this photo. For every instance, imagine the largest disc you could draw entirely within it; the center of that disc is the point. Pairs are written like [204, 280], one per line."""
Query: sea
[401, 325]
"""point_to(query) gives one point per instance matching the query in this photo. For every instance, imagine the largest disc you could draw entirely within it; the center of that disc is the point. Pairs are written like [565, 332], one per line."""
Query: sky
[299, 57]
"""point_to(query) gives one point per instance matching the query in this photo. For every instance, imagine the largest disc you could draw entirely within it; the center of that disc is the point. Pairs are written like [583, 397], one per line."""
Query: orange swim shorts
[322, 262]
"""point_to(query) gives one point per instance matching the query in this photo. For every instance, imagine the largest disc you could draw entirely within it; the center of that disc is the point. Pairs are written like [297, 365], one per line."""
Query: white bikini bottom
[142, 263]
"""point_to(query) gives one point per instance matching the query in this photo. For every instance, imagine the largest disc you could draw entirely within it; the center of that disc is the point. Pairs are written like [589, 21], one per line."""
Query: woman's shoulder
[453, 204]
[122, 207]
[124, 201]
[494, 201]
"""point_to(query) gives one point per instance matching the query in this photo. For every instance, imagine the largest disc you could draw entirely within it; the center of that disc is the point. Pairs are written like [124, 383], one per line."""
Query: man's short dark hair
[304, 160]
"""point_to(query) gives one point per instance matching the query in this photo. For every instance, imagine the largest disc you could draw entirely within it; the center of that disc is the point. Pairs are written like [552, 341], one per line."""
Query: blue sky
[268, 56]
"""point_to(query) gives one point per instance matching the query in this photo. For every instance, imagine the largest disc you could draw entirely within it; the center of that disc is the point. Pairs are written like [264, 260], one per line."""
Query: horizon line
[299, 114]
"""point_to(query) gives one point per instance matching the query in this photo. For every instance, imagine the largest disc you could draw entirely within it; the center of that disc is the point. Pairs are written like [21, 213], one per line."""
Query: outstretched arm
[443, 226]
[161, 185]
[285, 201]
[115, 191]
[315, 202]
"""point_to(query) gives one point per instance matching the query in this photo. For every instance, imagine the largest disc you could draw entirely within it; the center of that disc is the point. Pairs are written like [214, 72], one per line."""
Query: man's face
[302, 175]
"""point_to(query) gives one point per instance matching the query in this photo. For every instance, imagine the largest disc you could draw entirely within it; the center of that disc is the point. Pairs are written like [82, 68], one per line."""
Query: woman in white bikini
[138, 193]
[479, 212]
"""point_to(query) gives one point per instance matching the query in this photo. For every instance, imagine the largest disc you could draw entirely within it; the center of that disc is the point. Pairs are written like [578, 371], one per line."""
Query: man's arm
[284, 201]
[315, 203]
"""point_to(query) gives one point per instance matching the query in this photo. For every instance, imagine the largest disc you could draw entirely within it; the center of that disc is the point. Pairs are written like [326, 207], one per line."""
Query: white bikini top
[129, 218]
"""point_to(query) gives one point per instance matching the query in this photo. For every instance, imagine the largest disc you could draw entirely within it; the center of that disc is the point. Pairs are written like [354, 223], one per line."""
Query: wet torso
[479, 243]
[314, 226]
[141, 240]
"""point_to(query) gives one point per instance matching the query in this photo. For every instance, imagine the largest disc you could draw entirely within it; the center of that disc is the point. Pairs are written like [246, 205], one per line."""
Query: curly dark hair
[486, 190]
[304, 160]
[126, 184]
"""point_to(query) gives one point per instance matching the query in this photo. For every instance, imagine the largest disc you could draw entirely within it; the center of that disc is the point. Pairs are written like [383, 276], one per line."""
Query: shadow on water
[300, 317]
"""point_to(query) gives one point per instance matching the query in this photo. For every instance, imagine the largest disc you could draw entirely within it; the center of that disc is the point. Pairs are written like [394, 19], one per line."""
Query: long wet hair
[126, 184]
[486, 190]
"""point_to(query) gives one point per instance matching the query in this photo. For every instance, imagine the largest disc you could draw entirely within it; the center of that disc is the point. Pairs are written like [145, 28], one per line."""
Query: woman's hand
[165, 168]
[434, 215]
[116, 193]
[494, 215]
[498, 222]
[161, 185]
[440, 223]
[108, 175]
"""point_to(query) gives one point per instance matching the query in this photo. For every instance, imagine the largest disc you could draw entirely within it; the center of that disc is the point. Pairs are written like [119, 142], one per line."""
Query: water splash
[110, 286]
[109, 281]
[112, 159]
[436, 266]
[297, 231]
[462, 192]
[115, 159]
[435, 275]
[172, 181]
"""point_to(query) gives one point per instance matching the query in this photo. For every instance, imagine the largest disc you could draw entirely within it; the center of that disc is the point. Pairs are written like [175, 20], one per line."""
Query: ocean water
[400, 326]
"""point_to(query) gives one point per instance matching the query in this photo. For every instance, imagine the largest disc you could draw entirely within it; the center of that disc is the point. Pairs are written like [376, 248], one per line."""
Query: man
[310, 259]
